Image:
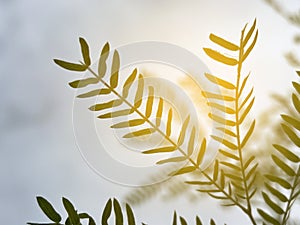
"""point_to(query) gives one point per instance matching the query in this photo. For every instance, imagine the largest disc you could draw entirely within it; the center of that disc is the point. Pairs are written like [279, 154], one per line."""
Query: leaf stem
[238, 133]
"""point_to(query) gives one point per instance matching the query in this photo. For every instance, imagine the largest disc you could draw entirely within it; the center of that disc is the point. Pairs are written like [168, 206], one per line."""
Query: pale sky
[38, 151]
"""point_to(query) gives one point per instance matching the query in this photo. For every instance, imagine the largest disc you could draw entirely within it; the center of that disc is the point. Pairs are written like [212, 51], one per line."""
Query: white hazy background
[38, 154]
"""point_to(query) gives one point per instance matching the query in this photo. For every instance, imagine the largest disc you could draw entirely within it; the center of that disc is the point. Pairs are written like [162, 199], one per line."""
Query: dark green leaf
[174, 218]
[85, 51]
[72, 213]
[106, 212]
[118, 212]
[267, 217]
[198, 221]
[130, 216]
[182, 221]
[272, 204]
[48, 209]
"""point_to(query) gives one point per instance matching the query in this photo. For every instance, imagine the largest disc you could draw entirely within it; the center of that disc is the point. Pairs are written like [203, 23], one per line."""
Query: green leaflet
[48, 209]
[102, 67]
[70, 66]
[85, 51]
[72, 213]
[106, 212]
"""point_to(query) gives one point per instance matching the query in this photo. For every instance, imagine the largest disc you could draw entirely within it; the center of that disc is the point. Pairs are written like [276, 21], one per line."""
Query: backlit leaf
[191, 142]
[149, 104]
[183, 131]
[122, 112]
[128, 83]
[102, 91]
[246, 111]
[250, 47]
[106, 105]
[285, 167]
[115, 67]
[102, 67]
[248, 135]
[169, 123]
[224, 43]
[221, 107]
[287, 153]
[221, 120]
[183, 170]
[219, 81]
[249, 34]
[293, 121]
[201, 152]
[291, 134]
[216, 170]
[159, 112]
[161, 150]
[139, 92]
[130, 123]
[220, 57]
[225, 142]
[217, 96]
[226, 131]
[172, 160]
[139, 133]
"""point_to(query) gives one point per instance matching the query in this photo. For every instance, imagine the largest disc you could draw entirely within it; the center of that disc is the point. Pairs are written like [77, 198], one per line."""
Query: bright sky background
[38, 150]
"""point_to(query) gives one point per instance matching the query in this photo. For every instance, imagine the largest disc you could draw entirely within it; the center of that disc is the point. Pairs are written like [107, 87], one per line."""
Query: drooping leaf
[183, 170]
[291, 120]
[106, 105]
[225, 142]
[224, 43]
[221, 120]
[291, 134]
[102, 67]
[279, 181]
[140, 133]
[130, 123]
[102, 91]
[268, 217]
[287, 153]
[72, 213]
[296, 102]
[219, 81]
[227, 131]
[122, 112]
[248, 134]
[161, 150]
[115, 67]
[85, 51]
[48, 209]
[217, 96]
[70, 66]
[172, 160]
[183, 131]
[128, 83]
[106, 212]
[220, 57]
[221, 107]
[285, 167]
[118, 212]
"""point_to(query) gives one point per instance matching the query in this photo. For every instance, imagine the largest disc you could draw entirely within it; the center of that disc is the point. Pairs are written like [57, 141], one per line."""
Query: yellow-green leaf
[172, 160]
[84, 82]
[250, 47]
[139, 92]
[248, 135]
[225, 142]
[267, 217]
[169, 123]
[115, 67]
[123, 112]
[276, 193]
[229, 155]
[191, 142]
[159, 112]
[282, 182]
[216, 170]
[149, 103]
[130, 123]
[139, 133]
[291, 120]
[70, 66]
[85, 51]
[161, 150]
[224, 43]
[296, 102]
[221, 107]
[272, 204]
[183, 170]
[106, 105]
[220, 57]
[102, 67]
[183, 131]
[102, 91]
[219, 81]
[201, 152]
[287, 153]
[217, 96]
[291, 134]
[128, 83]
[285, 167]
[296, 86]
[221, 120]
